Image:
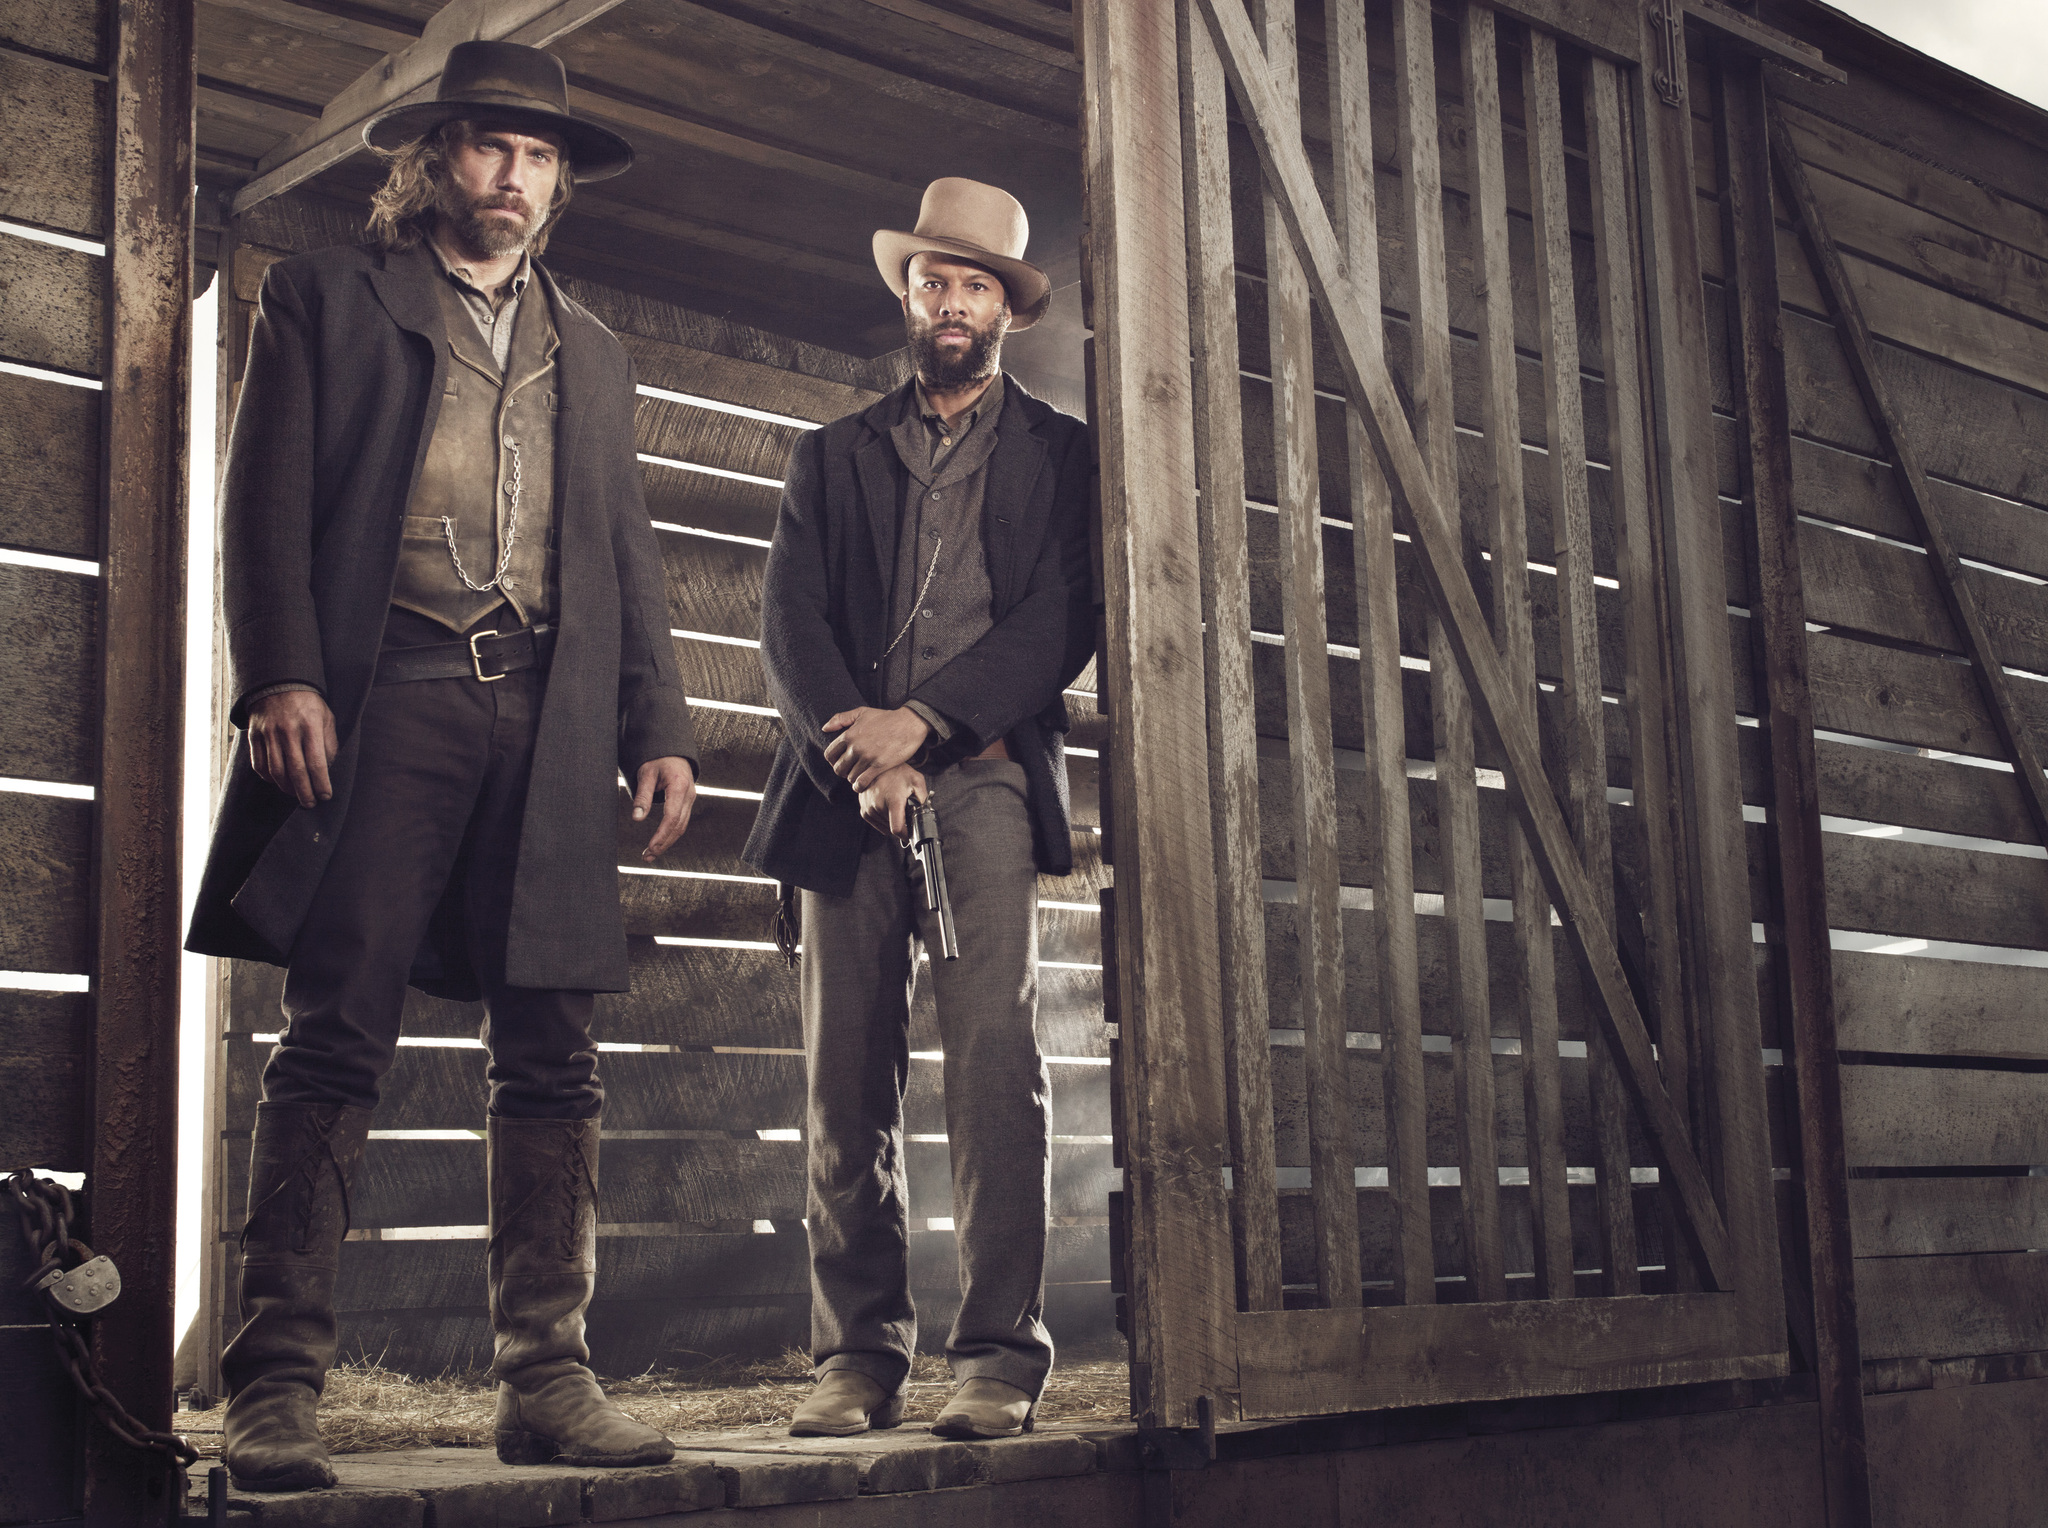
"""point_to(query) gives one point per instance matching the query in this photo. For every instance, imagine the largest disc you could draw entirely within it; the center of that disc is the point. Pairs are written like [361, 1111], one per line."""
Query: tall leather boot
[301, 1165]
[543, 1269]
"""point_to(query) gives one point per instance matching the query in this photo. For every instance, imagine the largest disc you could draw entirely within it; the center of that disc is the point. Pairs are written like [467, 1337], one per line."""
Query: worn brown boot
[301, 1164]
[543, 1268]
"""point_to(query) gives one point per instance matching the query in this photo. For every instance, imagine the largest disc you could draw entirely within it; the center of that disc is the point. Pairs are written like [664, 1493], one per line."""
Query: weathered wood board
[1900, 1116]
[49, 671]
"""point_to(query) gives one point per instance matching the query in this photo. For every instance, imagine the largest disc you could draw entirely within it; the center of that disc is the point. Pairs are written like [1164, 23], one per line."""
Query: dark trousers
[859, 969]
[440, 792]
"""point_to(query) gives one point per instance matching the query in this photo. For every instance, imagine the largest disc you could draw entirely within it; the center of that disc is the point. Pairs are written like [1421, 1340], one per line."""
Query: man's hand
[882, 803]
[292, 741]
[872, 741]
[677, 782]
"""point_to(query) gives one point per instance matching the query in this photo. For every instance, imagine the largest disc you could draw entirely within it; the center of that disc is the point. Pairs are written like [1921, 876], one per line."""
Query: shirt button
[945, 440]
[929, 652]
[927, 614]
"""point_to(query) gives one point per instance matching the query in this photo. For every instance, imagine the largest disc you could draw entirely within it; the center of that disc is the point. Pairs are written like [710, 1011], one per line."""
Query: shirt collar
[463, 276]
[988, 403]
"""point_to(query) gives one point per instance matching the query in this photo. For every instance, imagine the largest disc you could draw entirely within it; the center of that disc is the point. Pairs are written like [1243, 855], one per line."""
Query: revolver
[931, 860]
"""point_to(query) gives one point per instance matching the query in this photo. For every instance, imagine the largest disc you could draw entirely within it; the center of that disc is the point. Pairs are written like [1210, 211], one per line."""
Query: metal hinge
[1668, 21]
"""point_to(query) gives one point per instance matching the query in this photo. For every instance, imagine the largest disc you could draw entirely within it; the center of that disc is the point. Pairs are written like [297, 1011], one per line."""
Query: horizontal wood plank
[57, 118]
[1913, 791]
[705, 1185]
[1930, 891]
[1866, 690]
[50, 442]
[1969, 428]
[45, 843]
[442, 1088]
[1940, 1007]
[1296, 1363]
[52, 306]
[49, 671]
[1855, 157]
[1916, 1116]
[1853, 490]
[1874, 587]
[1952, 1307]
[722, 1267]
[67, 29]
[1919, 1217]
[703, 998]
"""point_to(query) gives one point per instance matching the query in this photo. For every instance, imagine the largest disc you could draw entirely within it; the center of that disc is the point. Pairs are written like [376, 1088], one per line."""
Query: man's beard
[945, 369]
[475, 227]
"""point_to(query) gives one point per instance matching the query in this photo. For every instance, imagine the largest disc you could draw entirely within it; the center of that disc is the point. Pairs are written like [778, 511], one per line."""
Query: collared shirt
[495, 314]
[945, 435]
[941, 595]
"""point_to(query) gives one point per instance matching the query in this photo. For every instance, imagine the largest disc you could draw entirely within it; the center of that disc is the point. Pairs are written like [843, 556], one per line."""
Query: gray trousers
[859, 969]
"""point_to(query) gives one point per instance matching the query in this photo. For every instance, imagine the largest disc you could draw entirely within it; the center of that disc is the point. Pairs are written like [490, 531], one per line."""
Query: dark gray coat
[824, 613]
[347, 363]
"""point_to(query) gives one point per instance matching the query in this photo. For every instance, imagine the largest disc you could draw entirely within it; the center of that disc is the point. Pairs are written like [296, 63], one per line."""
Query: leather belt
[484, 656]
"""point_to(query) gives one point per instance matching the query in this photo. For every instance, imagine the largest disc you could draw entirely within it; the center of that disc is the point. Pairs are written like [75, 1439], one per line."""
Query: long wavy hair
[402, 211]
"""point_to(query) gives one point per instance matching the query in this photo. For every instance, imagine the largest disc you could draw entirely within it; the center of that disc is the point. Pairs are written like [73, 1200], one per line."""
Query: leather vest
[493, 445]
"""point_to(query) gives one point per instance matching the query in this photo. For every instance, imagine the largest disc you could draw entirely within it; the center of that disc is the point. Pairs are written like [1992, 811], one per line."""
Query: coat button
[935, 493]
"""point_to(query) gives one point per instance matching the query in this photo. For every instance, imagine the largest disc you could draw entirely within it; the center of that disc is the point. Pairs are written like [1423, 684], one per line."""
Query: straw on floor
[369, 1410]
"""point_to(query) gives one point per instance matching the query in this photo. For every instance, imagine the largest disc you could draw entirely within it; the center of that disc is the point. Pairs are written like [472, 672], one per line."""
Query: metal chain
[922, 590]
[45, 1210]
[511, 533]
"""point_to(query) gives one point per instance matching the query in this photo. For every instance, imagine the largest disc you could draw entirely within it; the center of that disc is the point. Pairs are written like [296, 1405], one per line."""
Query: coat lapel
[881, 474]
[1013, 470]
[579, 376]
[405, 286]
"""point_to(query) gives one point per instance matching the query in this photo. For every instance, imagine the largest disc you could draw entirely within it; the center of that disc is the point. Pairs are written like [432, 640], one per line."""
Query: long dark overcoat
[824, 615]
[347, 363]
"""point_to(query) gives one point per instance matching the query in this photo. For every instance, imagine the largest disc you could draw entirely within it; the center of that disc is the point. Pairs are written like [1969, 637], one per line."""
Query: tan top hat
[981, 224]
[508, 80]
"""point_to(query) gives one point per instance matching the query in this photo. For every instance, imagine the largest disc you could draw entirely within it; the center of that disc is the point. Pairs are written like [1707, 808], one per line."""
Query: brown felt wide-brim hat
[983, 225]
[511, 83]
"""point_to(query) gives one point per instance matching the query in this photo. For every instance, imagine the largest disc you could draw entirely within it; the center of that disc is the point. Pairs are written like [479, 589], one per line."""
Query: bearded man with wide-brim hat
[448, 637]
[926, 604]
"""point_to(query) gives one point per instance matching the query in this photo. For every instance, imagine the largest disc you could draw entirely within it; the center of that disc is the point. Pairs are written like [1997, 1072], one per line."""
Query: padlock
[91, 1286]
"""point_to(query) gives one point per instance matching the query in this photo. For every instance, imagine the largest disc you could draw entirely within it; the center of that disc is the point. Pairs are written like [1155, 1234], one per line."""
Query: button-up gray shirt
[495, 315]
[939, 545]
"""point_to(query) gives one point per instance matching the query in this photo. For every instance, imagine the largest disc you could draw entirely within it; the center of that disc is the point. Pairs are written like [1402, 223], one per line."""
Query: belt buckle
[476, 659]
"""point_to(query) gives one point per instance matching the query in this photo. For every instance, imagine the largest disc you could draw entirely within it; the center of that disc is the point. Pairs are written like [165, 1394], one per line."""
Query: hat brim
[595, 153]
[1028, 288]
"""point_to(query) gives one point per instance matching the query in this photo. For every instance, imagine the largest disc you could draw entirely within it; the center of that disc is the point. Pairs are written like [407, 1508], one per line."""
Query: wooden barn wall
[701, 1196]
[1937, 888]
[1504, 1003]
[54, 93]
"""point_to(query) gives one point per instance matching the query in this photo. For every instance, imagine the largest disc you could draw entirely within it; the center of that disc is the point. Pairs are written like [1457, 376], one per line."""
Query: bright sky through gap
[2002, 42]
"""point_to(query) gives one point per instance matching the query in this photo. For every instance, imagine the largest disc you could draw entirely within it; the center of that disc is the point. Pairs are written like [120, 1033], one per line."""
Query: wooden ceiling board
[919, 41]
[774, 137]
[277, 58]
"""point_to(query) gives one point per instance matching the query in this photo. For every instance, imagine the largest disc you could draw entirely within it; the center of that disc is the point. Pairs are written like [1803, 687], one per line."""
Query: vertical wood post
[1797, 925]
[1183, 1307]
[133, 1180]
[1715, 885]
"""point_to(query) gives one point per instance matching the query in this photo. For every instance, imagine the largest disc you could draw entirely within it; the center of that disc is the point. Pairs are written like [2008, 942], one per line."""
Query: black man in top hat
[927, 602]
[449, 637]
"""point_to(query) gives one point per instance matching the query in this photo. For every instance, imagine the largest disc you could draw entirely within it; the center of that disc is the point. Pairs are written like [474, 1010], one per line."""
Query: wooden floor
[1682, 1457]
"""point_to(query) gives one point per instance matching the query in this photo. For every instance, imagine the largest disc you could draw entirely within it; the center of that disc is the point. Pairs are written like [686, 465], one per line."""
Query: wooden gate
[1418, 669]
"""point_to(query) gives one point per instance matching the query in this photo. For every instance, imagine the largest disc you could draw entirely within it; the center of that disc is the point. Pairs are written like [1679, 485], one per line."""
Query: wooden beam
[142, 681]
[1798, 921]
[981, 32]
[1183, 1307]
[655, 120]
[1372, 388]
[1746, 34]
[1955, 589]
[408, 76]
[1227, 666]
